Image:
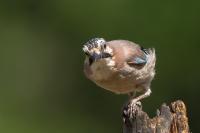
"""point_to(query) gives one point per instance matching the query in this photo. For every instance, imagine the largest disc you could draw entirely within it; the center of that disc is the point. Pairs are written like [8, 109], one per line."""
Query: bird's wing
[138, 58]
[129, 52]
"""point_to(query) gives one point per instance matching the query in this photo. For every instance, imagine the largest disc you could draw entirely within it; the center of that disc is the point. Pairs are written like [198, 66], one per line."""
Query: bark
[169, 119]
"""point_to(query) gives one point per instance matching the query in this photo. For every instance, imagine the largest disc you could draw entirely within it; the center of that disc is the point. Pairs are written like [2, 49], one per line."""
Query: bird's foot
[130, 110]
[133, 108]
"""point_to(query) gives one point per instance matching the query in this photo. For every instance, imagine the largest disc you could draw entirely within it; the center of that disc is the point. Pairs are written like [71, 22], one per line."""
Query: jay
[120, 66]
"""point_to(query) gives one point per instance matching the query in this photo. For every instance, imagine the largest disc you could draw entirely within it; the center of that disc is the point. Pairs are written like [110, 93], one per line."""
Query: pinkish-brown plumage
[128, 69]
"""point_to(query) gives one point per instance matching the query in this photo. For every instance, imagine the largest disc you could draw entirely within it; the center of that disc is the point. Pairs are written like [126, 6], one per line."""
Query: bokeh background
[42, 86]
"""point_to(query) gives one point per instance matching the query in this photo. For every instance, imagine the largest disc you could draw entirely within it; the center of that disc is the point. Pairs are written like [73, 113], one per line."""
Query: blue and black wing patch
[146, 51]
[139, 59]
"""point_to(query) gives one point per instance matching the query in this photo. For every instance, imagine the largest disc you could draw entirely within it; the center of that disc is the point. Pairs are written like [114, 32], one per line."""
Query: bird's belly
[115, 82]
[107, 77]
[118, 85]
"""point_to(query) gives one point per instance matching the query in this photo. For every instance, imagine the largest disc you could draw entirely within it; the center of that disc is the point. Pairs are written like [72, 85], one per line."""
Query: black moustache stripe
[96, 57]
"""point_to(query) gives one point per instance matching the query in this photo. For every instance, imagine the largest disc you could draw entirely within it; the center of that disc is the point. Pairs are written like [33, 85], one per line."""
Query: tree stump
[169, 119]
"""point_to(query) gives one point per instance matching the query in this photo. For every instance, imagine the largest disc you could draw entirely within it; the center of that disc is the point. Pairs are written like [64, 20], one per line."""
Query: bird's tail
[151, 57]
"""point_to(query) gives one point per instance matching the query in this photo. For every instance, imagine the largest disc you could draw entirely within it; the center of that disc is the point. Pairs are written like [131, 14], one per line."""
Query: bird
[120, 66]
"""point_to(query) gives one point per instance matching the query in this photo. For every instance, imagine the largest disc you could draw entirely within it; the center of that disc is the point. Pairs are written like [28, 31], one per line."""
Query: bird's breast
[105, 74]
[102, 69]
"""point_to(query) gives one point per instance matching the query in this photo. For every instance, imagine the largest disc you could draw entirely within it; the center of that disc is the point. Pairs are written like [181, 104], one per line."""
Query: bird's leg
[146, 94]
[135, 102]
[132, 94]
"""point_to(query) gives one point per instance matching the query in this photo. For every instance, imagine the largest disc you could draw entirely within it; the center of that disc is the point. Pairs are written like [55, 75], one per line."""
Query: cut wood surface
[169, 119]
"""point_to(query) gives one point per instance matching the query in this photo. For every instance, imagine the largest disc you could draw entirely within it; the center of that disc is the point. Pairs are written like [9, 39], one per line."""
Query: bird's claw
[130, 110]
[133, 108]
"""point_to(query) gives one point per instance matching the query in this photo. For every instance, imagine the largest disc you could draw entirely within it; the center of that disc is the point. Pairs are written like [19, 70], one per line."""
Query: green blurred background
[42, 86]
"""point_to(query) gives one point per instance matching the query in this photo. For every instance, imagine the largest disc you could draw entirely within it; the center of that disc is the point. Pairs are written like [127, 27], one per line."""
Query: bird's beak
[95, 56]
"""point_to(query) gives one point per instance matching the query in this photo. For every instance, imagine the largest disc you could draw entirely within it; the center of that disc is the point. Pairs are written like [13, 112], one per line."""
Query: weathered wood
[169, 119]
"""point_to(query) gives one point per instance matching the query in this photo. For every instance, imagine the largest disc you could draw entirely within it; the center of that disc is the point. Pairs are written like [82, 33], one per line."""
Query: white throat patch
[102, 69]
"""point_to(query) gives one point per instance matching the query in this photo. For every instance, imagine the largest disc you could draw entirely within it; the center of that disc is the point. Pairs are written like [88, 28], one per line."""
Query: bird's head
[96, 49]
